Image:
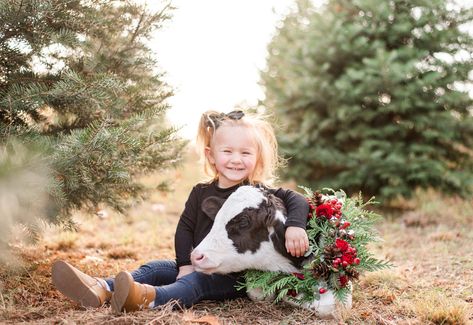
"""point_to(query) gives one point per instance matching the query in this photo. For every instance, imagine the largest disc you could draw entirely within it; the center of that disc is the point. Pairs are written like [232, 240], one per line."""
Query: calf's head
[248, 232]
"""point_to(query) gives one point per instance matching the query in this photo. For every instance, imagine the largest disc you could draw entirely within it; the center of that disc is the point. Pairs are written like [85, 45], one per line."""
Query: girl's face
[233, 152]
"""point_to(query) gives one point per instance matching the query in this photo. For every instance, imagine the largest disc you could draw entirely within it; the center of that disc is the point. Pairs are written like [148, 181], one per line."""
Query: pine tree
[373, 95]
[79, 83]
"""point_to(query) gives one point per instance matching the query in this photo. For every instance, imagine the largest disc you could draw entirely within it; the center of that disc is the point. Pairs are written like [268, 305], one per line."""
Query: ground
[428, 242]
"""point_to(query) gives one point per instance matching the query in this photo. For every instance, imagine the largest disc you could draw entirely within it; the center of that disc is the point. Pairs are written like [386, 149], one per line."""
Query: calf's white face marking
[248, 232]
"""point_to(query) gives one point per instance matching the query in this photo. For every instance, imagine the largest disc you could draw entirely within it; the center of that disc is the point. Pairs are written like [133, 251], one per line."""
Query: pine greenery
[79, 83]
[373, 95]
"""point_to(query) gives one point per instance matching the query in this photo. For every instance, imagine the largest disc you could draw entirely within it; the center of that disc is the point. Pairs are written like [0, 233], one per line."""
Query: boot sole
[123, 282]
[68, 283]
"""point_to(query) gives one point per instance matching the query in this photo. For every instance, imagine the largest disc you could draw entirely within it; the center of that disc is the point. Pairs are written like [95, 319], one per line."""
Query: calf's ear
[273, 203]
[211, 205]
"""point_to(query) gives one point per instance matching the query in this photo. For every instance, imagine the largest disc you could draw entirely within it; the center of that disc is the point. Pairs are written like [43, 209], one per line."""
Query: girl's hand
[185, 270]
[297, 242]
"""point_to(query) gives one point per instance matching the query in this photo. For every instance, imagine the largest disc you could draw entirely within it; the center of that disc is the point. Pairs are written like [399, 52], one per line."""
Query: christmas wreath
[339, 230]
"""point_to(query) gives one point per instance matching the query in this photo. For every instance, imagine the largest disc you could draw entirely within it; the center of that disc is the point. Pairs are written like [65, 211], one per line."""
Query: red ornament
[324, 210]
[322, 291]
[341, 244]
[347, 258]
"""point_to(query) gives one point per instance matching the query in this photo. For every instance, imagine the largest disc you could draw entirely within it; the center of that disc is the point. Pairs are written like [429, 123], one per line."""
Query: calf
[248, 233]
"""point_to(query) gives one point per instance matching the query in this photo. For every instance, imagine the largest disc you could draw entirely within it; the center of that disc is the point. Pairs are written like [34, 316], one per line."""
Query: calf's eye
[244, 223]
[241, 221]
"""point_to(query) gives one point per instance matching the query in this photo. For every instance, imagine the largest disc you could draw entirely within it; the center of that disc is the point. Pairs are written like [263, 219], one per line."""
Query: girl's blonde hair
[267, 160]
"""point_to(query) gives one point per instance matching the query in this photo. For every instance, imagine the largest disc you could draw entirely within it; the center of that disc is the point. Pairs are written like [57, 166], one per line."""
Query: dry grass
[437, 307]
[431, 283]
[66, 241]
[121, 253]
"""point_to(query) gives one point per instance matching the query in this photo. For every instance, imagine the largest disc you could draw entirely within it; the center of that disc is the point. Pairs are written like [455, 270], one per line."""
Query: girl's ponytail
[205, 132]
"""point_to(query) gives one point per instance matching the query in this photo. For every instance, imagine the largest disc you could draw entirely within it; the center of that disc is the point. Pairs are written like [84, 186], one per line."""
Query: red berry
[298, 275]
[345, 225]
[322, 290]
[356, 261]
[343, 280]
[344, 263]
[292, 293]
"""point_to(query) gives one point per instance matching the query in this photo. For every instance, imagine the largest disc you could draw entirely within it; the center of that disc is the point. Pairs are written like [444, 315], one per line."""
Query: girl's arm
[297, 208]
[184, 237]
[185, 270]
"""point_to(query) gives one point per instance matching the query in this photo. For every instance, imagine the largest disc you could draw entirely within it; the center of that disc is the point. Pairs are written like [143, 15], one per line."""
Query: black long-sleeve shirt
[194, 224]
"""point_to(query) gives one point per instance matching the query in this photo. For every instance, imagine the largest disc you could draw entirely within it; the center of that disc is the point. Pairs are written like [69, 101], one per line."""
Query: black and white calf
[248, 233]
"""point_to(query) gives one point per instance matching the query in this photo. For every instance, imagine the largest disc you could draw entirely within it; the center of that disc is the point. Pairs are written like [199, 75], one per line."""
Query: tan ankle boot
[129, 295]
[78, 286]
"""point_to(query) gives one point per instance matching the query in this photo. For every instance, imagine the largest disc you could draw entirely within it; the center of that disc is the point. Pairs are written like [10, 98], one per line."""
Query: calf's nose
[197, 257]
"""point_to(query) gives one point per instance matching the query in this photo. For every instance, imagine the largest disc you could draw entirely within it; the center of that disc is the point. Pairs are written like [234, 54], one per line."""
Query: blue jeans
[187, 290]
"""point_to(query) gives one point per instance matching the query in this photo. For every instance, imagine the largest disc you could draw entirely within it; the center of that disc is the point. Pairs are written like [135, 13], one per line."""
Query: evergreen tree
[79, 83]
[373, 95]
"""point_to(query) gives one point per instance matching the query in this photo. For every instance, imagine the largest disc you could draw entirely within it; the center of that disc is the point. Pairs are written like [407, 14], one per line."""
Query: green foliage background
[79, 85]
[373, 95]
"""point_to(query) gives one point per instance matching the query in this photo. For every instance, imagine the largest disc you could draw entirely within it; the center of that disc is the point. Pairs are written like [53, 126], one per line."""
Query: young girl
[238, 149]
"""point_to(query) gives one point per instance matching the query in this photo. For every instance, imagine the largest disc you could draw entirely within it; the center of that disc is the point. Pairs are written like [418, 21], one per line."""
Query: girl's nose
[236, 158]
